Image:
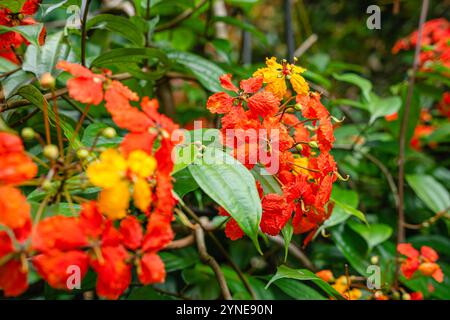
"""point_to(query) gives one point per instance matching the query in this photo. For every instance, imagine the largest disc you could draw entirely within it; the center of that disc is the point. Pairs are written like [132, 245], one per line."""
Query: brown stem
[402, 138]
[180, 243]
[58, 125]
[46, 124]
[208, 259]
[84, 32]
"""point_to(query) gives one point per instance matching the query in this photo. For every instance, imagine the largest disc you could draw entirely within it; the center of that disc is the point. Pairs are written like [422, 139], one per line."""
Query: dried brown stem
[208, 259]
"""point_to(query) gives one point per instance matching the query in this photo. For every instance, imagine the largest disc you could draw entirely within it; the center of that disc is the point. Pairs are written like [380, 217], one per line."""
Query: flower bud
[46, 185]
[51, 152]
[109, 133]
[313, 144]
[298, 107]
[396, 295]
[374, 260]
[406, 296]
[28, 133]
[82, 153]
[299, 147]
[47, 81]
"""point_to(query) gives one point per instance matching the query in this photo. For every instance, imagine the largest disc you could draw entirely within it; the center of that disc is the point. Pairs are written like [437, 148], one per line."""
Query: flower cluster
[435, 52]
[343, 284]
[9, 41]
[423, 261]
[301, 145]
[107, 235]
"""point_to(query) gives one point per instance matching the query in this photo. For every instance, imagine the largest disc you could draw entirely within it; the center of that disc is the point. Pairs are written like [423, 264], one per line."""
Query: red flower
[85, 86]
[276, 213]
[260, 103]
[150, 268]
[232, 229]
[425, 261]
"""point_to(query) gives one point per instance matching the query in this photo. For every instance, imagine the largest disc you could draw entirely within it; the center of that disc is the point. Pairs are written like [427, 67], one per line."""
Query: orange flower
[425, 261]
[325, 275]
[85, 86]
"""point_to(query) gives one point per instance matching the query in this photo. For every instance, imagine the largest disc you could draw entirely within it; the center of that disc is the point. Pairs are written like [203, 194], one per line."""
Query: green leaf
[13, 5]
[184, 183]
[352, 247]
[430, 191]
[268, 182]
[298, 290]
[302, 275]
[380, 107]
[118, 24]
[287, 233]
[205, 71]
[350, 210]
[179, 259]
[127, 58]
[374, 234]
[231, 185]
[30, 32]
[40, 60]
[147, 293]
[36, 98]
[364, 84]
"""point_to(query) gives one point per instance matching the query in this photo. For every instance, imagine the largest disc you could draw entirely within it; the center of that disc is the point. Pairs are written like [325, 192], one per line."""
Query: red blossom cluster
[435, 45]
[93, 238]
[9, 41]
[302, 145]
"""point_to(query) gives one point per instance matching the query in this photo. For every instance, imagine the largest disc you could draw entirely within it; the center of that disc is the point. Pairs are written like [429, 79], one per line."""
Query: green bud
[109, 133]
[313, 144]
[82, 153]
[28, 133]
[374, 260]
[51, 152]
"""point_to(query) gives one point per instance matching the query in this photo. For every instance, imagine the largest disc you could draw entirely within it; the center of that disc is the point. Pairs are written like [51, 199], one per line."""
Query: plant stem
[402, 138]
[208, 259]
[84, 32]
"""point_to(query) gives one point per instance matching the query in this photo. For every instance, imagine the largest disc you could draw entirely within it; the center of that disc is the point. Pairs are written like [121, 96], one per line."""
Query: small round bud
[396, 295]
[46, 185]
[47, 81]
[51, 152]
[28, 133]
[406, 296]
[298, 107]
[20, 16]
[426, 224]
[299, 147]
[82, 153]
[109, 133]
[374, 260]
[313, 144]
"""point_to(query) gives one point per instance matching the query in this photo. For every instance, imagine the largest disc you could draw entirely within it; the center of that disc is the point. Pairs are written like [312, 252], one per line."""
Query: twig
[84, 32]
[296, 252]
[221, 248]
[289, 31]
[402, 138]
[206, 258]
[306, 45]
[180, 18]
[180, 243]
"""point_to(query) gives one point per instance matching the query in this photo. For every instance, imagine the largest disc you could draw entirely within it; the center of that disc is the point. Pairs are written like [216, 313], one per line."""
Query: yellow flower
[142, 194]
[109, 170]
[141, 164]
[343, 287]
[276, 74]
[113, 202]
[301, 166]
[115, 174]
